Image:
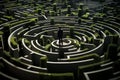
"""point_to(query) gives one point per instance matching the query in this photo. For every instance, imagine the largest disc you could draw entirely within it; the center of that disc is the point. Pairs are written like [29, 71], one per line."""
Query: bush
[112, 52]
[69, 9]
[62, 76]
[115, 39]
[13, 42]
[52, 21]
[6, 55]
[47, 47]
[53, 13]
[6, 28]
[1, 66]
[43, 61]
[39, 11]
[118, 49]
[81, 6]
[77, 44]
[27, 42]
[1, 32]
[71, 32]
[32, 21]
[54, 7]
[86, 15]
[8, 17]
[87, 56]
[79, 12]
[79, 21]
[44, 76]
[56, 76]
[107, 32]
[17, 62]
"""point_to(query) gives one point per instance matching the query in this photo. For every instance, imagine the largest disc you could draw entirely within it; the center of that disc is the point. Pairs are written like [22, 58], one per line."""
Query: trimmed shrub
[79, 13]
[52, 21]
[6, 28]
[44, 76]
[18, 22]
[87, 56]
[53, 13]
[69, 9]
[13, 42]
[112, 52]
[56, 76]
[27, 42]
[1, 66]
[17, 62]
[77, 44]
[33, 21]
[9, 18]
[62, 76]
[47, 47]
[81, 5]
[54, 7]
[107, 32]
[1, 32]
[43, 61]
[39, 11]
[115, 39]
[6, 55]
[71, 32]
[118, 49]
[86, 15]
[79, 21]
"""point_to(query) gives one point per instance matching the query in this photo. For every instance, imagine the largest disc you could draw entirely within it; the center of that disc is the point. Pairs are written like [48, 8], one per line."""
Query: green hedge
[86, 15]
[6, 27]
[47, 47]
[6, 55]
[69, 9]
[62, 76]
[115, 39]
[27, 42]
[18, 62]
[111, 52]
[118, 49]
[1, 32]
[87, 56]
[43, 61]
[1, 66]
[56, 76]
[81, 5]
[54, 7]
[107, 32]
[18, 22]
[13, 42]
[9, 17]
[79, 12]
[33, 21]
[72, 31]
[52, 22]
[79, 21]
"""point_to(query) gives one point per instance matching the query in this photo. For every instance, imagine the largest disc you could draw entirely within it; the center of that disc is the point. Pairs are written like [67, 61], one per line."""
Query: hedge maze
[29, 46]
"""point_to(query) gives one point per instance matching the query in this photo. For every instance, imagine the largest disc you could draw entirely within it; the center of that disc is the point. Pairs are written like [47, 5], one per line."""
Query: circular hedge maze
[30, 48]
